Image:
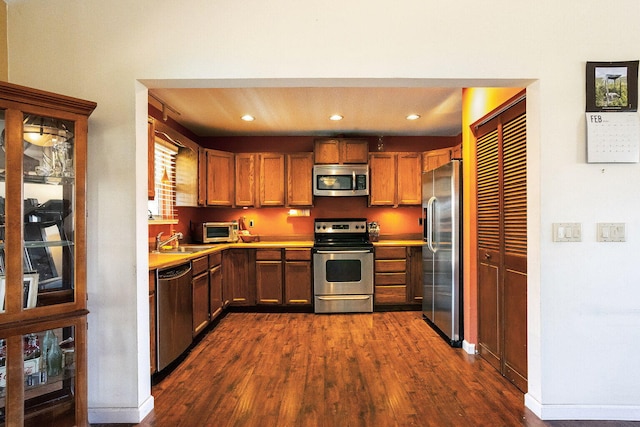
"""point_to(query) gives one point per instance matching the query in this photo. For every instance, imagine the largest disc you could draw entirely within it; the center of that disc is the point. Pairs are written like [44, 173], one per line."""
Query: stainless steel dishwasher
[174, 313]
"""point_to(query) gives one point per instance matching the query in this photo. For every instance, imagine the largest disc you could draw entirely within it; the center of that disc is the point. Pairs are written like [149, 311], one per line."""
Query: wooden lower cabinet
[215, 285]
[269, 276]
[285, 282]
[238, 277]
[297, 276]
[398, 275]
[390, 275]
[200, 294]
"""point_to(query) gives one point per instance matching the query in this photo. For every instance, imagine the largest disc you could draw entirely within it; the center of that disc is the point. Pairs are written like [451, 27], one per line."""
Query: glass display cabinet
[43, 149]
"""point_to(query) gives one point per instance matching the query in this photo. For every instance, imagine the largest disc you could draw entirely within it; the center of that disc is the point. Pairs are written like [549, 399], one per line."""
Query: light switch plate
[567, 232]
[611, 232]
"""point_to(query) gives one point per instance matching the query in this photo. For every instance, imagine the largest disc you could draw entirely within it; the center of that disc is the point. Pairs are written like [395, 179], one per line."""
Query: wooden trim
[13, 93]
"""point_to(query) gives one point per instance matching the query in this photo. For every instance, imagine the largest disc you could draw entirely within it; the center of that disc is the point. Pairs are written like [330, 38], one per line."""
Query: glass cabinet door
[2, 217]
[49, 370]
[48, 215]
[38, 232]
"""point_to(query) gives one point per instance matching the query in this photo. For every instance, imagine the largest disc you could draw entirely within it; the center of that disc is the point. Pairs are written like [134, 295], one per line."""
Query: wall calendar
[613, 137]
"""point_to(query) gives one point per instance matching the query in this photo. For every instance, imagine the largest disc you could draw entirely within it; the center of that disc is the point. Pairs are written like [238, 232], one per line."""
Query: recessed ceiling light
[248, 118]
[413, 116]
[336, 117]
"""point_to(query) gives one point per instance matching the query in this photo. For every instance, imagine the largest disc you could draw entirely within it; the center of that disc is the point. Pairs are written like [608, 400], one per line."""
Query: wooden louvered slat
[515, 186]
[488, 192]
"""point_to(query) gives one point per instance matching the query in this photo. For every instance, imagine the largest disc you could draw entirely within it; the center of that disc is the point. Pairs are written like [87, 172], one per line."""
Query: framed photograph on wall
[612, 86]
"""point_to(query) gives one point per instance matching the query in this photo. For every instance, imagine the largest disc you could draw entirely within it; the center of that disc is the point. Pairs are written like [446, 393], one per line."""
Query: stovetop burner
[341, 232]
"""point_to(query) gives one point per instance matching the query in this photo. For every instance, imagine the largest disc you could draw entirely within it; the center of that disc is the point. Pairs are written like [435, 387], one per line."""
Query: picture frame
[612, 86]
[30, 291]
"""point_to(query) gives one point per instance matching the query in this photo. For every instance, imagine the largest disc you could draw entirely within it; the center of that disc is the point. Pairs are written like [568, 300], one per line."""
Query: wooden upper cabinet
[299, 179]
[202, 176]
[151, 159]
[335, 151]
[409, 178]
[395, 179]
[435, 158]
[220, 173]
[272, 179]
[382, 179]
[245, 179]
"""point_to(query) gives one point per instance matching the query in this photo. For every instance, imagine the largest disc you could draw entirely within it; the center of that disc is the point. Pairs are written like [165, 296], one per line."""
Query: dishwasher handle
[174, 272]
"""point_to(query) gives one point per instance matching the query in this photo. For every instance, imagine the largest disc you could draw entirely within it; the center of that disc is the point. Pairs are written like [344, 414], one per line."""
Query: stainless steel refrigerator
[441, 251]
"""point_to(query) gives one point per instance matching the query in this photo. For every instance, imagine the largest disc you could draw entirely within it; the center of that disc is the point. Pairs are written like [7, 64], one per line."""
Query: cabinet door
[327, 151]
[354, 151]
[414, 275]
[215, 292]
[297, 282]
[220, 173]
[269, 282]
[245, 179]
[382, 179]
[299, 179]
[200, 294]
[435, 158]
[272, 179]
[409, 179]
[238, 277]
[202, 176]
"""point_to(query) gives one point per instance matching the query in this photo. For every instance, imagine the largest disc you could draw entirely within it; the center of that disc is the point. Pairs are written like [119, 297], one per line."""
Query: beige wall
[4, 65]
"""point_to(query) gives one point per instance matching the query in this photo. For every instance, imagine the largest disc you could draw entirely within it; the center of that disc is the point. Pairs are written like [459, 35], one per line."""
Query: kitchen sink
[180, 250]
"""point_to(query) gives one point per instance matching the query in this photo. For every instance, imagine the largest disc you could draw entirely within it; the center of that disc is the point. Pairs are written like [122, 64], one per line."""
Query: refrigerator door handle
[430, 223]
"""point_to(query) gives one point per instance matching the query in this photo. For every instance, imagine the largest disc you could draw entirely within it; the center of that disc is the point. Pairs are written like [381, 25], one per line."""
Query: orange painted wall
[476, 103]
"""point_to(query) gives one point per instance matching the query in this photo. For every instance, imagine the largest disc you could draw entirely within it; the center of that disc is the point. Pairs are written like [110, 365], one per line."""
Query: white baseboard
[582, 412]
[121, 415]
[469, 347]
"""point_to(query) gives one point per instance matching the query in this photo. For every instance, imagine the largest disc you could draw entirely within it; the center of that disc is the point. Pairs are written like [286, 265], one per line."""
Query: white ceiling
[306, 110]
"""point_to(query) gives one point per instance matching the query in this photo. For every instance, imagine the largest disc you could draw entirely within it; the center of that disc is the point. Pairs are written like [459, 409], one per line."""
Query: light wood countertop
[168, 260]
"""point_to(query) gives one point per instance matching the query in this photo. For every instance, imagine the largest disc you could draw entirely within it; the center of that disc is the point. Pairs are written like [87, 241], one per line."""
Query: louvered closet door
[514, 147]
[489, 306]
[502, 243]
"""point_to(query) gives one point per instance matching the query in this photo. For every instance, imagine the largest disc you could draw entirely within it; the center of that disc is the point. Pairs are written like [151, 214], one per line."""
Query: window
[163, 206]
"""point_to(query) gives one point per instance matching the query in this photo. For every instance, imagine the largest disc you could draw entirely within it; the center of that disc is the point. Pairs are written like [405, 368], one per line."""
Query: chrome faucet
[159, 243]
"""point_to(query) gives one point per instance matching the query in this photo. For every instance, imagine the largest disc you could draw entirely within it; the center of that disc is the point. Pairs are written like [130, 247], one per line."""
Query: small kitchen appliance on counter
[374, 231]
[342, 266]
[215, 232]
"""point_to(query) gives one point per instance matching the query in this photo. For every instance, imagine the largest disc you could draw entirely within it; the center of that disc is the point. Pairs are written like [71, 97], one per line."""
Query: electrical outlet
[250, 223]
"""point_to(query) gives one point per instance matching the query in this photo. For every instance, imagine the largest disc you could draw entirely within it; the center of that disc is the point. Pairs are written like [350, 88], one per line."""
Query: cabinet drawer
[391, 252]
[215, 259]
[268, 255]
[391, 278]
[199, 265]
[297, 254]
[391, 265]
[390, 294]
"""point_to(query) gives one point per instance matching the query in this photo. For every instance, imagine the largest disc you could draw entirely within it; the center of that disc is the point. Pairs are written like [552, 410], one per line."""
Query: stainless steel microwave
[341, 180]
[216, 232]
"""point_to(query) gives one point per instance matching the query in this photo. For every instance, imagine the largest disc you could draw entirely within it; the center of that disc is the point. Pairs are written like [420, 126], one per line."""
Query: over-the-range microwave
[216, 232]
[341, 180]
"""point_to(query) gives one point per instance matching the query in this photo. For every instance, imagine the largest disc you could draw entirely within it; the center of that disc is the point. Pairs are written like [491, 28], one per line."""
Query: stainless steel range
[342, 266]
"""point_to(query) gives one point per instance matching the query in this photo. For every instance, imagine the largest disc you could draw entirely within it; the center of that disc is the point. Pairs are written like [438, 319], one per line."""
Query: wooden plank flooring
[352, 370]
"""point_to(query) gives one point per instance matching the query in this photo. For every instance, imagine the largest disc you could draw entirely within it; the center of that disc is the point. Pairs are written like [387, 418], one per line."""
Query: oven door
[343, 272]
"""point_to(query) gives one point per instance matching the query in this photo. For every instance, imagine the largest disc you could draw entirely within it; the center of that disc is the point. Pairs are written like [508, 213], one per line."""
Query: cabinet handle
[487, 256]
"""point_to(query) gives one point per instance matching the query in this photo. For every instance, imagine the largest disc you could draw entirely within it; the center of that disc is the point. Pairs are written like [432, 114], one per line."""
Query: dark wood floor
[380, 369]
